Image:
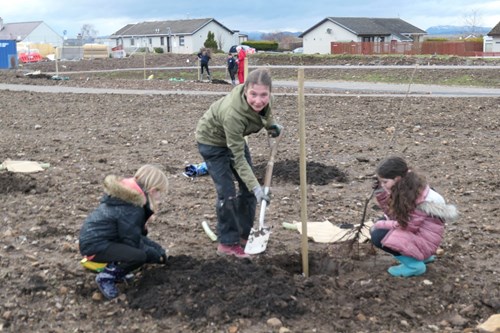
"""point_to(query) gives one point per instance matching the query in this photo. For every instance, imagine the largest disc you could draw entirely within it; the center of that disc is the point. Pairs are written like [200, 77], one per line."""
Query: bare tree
[286, 40]
[88, 31]
[472, 21]
[220, 41]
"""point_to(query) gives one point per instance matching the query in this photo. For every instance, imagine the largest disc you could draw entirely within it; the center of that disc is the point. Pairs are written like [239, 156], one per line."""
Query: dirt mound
[288, 171]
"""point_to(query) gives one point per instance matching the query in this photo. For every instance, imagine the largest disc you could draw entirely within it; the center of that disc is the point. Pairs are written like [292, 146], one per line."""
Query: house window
[132, 42]
[150, 41]
[162, 41]
[382, 39]
[181, 41]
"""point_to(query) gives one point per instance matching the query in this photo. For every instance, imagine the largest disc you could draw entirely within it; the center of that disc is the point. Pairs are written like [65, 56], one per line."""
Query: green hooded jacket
[227, 122]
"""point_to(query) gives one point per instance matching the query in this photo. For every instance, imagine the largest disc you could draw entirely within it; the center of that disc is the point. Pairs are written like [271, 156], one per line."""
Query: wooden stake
[303, 172]
[245, 67]
[199, 70]
[57, 66]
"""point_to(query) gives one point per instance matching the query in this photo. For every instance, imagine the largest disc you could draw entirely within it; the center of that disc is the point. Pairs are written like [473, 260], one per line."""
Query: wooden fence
[458, 48]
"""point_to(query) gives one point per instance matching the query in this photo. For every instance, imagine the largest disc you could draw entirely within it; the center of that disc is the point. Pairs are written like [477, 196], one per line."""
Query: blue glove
[258, 191]
[274, 130]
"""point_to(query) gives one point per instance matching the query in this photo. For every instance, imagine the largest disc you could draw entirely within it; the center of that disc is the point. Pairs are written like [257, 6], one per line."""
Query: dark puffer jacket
[120, 218]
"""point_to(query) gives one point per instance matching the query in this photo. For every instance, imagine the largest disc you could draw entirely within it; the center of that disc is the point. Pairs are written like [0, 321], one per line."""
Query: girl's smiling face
[258, 96]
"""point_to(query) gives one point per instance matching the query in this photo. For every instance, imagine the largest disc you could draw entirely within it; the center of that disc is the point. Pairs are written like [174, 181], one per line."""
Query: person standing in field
[232, 67]
[204, 56]
[220, 134]
[241, 64]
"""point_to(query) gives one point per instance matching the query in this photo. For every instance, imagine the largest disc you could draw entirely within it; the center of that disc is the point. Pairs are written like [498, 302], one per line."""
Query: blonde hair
[150, 177]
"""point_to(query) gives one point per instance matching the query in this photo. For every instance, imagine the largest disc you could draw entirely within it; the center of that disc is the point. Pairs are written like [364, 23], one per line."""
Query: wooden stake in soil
[57, 65]
[199, 70]
[144, 58]
[303, 173]
[245, 67]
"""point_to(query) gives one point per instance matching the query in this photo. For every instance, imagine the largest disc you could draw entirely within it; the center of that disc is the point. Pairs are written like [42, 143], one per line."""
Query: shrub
[210, 43]
[262, 45]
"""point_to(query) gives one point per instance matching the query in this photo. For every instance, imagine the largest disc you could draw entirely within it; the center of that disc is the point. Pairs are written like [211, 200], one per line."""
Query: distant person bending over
[115, 232]
[204, 56]
[241, 64]
[414, 217]
[220, 134]
[232, 67]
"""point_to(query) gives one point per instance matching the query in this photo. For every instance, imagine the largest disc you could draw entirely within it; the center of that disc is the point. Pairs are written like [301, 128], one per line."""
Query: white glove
[258, 191]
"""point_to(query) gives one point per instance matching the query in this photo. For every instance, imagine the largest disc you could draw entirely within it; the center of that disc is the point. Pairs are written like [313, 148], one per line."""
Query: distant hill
[443, 30]
[456, 30]
[257, 35]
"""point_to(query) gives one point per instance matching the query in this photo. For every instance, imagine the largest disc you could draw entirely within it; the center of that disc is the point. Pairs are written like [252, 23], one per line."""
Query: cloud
[258, 15]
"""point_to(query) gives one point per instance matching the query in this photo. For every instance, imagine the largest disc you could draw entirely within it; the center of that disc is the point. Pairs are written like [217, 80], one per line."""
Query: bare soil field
[84, 137]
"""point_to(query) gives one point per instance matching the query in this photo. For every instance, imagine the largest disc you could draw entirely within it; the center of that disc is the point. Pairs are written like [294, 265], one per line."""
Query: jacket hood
[125, 189]
[432, 203]
[444, 211]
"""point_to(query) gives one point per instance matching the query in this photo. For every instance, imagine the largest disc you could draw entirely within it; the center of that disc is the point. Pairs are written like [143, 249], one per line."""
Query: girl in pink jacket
[414, 217]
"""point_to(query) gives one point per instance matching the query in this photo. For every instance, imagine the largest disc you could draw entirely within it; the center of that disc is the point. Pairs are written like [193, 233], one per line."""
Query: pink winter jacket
[425, 229]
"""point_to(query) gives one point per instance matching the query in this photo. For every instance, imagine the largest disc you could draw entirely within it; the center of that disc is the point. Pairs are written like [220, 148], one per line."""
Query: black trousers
[235, 211]
[205, 65]
[377, 235]
[125, 257]
[232, 75]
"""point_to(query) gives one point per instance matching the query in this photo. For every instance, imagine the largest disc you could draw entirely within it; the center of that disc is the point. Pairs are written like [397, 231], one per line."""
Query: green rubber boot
[409, 267]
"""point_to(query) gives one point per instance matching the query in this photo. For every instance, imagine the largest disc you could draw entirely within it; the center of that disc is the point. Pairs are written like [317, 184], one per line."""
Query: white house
[180, 36]
[36, 32]
[494, 40]
[319, 37]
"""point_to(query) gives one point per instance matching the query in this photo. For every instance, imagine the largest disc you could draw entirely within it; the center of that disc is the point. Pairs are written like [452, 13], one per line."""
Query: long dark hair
[405, 192]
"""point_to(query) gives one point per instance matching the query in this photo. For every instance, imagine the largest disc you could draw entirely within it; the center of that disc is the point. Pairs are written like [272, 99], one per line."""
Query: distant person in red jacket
[241, 64]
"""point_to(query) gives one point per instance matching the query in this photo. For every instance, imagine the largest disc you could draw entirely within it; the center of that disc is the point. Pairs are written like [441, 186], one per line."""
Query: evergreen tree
[210, 43]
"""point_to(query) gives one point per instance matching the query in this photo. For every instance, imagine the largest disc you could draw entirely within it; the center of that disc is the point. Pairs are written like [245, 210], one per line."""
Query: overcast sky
[268, 16]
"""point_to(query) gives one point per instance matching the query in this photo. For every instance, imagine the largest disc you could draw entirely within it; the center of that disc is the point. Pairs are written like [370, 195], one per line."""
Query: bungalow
[180, 36]
[319, 37]
[36, 32]
[494, 34]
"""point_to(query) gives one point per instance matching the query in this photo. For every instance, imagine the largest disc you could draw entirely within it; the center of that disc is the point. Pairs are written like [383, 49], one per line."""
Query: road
[337, 88]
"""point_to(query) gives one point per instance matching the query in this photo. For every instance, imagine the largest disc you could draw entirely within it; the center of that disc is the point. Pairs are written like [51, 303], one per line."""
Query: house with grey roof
[318, 38]
[494, 41]
[36, 32]
[176, 36]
